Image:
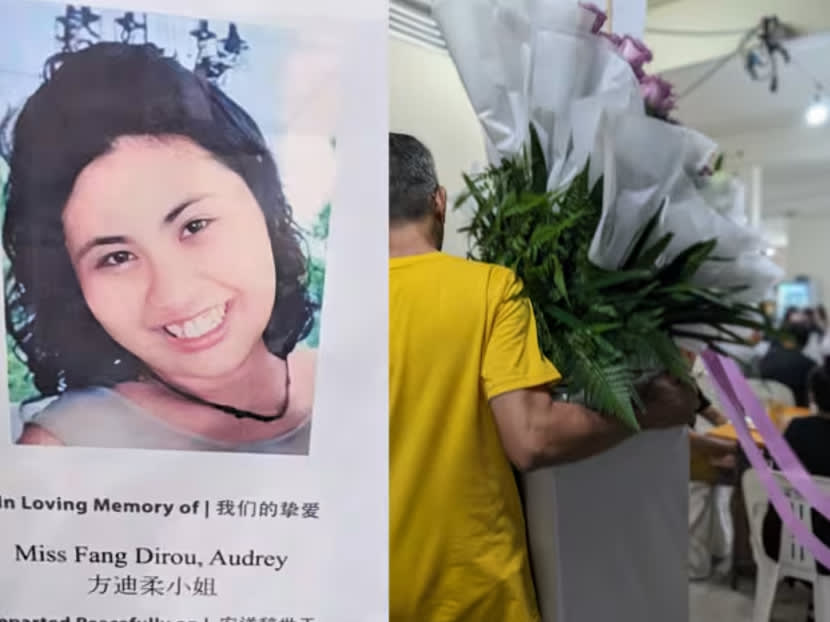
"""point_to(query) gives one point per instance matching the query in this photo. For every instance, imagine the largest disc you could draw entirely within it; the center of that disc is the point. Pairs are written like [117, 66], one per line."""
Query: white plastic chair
[793, 561]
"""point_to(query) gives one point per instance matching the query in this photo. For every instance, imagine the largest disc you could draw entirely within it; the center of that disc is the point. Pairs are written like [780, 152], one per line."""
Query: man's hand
[727, 462]
[720, 453]
[537, 431]
[714, 416]
[669, 402]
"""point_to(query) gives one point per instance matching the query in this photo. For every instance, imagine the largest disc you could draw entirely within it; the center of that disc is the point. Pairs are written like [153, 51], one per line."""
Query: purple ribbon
[781, 452]
[739, 401]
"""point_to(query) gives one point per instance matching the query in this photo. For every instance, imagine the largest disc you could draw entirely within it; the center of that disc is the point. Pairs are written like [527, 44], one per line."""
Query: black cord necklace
[230, 410]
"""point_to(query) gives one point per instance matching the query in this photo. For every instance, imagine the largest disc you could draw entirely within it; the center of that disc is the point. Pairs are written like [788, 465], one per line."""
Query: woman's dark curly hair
[88, 100]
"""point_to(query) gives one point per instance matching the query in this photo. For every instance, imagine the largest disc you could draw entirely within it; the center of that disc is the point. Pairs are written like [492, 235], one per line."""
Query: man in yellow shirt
[469, 395]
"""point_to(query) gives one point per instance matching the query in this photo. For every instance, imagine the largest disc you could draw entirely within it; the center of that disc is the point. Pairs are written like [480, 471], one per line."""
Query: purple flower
[658, 95]
[599, 15]
[636, 53]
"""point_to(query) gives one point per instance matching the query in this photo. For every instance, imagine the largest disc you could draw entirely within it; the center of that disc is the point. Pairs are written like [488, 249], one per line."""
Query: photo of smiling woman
[157, 281]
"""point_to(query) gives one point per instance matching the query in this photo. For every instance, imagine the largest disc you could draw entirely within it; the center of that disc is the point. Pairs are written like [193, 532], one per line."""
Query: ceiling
[714, 16]
[411, 18]
[753, 126]
[757, 127]
[731, 102]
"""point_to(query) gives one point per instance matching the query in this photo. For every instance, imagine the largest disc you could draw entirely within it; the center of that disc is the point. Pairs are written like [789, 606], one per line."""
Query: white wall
[808, 251]
[427, 100]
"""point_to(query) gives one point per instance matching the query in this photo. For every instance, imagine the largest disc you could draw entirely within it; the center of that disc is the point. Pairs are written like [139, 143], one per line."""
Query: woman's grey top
[101, 417]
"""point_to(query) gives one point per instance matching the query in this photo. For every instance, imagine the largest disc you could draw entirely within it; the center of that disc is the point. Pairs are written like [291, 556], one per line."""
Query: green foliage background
[20, 381]
[317, 270]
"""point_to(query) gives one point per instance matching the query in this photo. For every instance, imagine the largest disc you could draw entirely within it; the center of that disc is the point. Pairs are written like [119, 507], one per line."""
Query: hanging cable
[770, 46]
[760, 60]
[670, 32]
[721, 63]
[707, 75]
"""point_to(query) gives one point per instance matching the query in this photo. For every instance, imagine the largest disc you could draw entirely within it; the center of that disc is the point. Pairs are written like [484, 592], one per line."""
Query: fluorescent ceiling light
[817, 113]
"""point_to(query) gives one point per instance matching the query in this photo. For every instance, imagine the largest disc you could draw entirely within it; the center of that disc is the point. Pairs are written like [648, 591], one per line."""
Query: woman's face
[172, 255]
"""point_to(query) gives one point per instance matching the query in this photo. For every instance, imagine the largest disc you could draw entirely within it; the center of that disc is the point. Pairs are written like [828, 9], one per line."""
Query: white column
[756, 196]
[627, 17]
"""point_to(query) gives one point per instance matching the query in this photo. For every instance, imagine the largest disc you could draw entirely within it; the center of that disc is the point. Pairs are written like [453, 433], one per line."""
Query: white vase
[608, 535]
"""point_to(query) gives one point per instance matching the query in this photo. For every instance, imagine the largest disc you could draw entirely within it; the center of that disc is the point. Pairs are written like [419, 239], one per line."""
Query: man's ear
[441, 203]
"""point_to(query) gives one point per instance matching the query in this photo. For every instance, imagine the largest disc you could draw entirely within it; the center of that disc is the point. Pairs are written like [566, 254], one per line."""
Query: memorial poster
[194, 261]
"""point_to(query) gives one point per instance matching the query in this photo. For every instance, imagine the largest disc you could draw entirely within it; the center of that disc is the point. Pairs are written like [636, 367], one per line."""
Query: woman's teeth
[199, 325]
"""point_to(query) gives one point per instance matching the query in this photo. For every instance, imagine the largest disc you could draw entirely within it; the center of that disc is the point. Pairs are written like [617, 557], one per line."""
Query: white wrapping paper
[537, 61]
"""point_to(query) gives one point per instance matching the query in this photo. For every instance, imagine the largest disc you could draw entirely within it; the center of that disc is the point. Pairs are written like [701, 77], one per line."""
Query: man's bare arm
[538, 431]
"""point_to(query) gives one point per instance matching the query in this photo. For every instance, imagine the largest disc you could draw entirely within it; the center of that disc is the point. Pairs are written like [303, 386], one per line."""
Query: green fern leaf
[608, 387]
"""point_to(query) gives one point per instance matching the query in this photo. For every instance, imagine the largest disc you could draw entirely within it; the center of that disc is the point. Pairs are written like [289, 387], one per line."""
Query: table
[780, 416]
[728, 432]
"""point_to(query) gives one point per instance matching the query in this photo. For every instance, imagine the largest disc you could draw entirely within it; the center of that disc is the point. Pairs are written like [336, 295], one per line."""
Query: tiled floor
[715, 601]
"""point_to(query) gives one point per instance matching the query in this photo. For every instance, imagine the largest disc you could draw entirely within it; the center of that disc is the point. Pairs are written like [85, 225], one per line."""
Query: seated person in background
[815, 338]
[785, 362]
[792, 314]
[809, 438]
[813, 319]
[720, 453]
[821, 319]
[710, 525]
[709, 452]
[748, 356]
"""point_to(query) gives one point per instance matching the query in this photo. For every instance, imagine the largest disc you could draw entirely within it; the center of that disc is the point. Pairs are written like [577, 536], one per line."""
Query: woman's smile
[200, 331]
[198, 325]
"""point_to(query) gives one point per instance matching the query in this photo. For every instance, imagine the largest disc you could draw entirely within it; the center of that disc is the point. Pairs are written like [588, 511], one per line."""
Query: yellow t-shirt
[458, 337]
